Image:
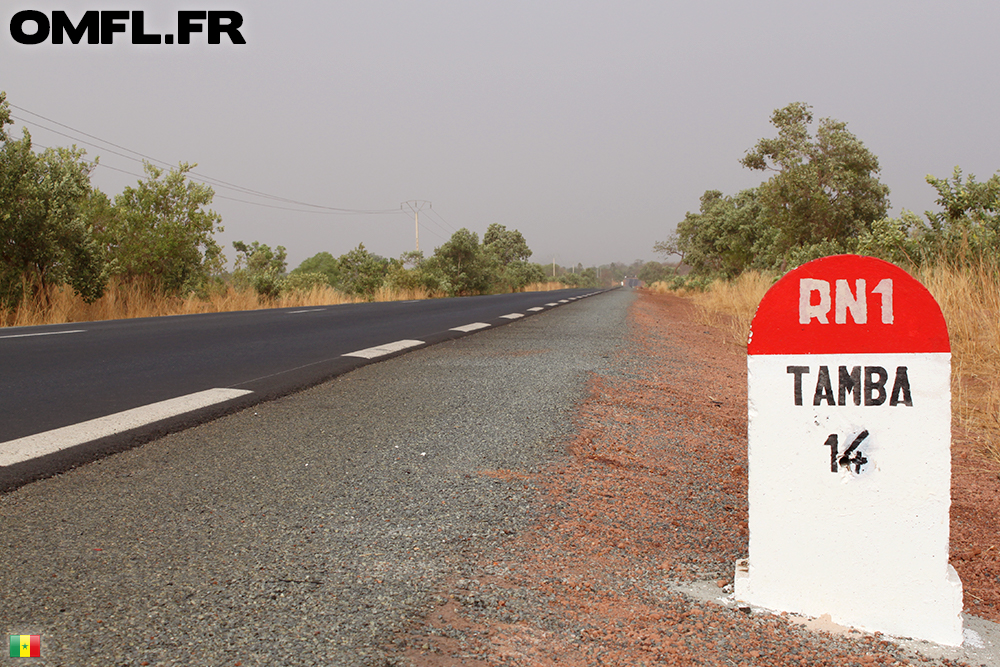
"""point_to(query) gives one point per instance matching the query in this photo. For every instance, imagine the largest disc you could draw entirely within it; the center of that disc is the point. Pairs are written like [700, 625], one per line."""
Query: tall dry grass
[123, 300]
[128, 300]
[550, 286]
[970, 301]
[727, 305]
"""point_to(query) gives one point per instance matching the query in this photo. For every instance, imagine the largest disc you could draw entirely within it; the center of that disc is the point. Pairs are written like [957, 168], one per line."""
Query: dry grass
[549, 286]
[728, 305]
[970, 301]
[123, 301]
[128, 300]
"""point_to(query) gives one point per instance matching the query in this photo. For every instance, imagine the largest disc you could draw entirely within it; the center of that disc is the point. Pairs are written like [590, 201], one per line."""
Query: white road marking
[311, 310]
[512, 316]
[40, 444]
[535, 309]
[475, 326]
[45, 333]
[563, 301]
[552, 304]
[382, 350]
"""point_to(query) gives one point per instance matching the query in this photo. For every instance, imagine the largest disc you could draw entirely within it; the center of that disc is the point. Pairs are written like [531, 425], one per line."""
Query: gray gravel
[308, 530]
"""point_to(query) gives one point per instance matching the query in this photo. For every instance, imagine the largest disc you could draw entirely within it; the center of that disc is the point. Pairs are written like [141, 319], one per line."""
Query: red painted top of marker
[848, 303]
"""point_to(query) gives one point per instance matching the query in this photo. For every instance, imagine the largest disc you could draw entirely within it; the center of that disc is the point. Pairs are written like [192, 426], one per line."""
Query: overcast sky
[592, 127]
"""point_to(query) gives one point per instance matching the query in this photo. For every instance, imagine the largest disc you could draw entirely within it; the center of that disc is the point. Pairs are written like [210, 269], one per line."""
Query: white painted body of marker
[849, 434]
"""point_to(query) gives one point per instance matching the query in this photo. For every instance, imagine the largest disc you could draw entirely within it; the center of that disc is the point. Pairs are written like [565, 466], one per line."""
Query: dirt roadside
[650, 501]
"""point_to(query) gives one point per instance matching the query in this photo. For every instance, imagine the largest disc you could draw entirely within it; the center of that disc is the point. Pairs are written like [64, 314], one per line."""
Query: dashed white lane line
[40, 444]
[309, 310]
[512, 316]
[535, 309]
[382, 350]
[563, 301]
[475, 326]
[46, 333]
[552, 304]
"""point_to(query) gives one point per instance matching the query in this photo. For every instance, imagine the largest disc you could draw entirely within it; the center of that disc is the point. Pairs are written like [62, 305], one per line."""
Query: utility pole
[416, 205]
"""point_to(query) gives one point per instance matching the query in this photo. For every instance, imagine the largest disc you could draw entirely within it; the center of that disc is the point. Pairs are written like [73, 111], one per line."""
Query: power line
[439, 217]
[208, 180]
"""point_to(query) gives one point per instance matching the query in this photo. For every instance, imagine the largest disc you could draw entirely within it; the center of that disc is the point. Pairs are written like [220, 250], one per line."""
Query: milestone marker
[849, 406]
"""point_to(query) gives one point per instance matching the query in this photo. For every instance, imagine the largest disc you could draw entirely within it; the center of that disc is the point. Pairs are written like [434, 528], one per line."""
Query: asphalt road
[309, 529]
[58, 376]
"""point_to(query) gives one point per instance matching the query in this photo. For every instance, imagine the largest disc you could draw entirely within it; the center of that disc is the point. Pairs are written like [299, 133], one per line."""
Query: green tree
[968, 226]
[652, 272]
[4, 116]
[580, 278]
[260, 267]
[725, 237]
[361, 272]
[825, 187]
[509, 253]
[414, 272]
[506, 245]
[321, 262]
[895, 240]
[162, 231]
[45, 239]
[519, 274]
[466, 268]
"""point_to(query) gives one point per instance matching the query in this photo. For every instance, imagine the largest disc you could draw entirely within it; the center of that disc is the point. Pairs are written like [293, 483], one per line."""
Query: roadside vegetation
[824, 198]
[69, 252]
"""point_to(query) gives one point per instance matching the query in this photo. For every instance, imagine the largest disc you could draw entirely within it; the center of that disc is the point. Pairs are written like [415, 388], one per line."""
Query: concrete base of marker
[947, 603]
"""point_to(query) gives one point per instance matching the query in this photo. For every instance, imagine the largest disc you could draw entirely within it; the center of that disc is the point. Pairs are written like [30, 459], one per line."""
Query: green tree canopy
[45, 239]
[4, 116]
[509, 252]
[968, 227]
[725, 237]
[506, 245]
[163, 232]
[825, 187]
[464, 264]
[362, 272]
[260, 267]
[321, 262]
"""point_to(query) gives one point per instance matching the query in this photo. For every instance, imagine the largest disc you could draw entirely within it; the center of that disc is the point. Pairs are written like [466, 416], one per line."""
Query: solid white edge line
[512, 316]
[46, 333]
[475, 326]
[382, 350]
[40, 444]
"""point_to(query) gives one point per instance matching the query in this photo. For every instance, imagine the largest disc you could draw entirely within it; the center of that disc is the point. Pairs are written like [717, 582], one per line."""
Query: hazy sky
[592, 127]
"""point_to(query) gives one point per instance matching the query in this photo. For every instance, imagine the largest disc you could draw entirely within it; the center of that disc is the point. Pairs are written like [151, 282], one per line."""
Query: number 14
[853, 455]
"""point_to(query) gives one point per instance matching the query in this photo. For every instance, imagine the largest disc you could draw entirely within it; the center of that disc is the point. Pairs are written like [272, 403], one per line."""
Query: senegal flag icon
[25, 646]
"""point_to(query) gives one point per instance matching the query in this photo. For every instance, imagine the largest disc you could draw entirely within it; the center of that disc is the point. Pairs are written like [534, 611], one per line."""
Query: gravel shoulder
[308, 530]
[630, 561]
